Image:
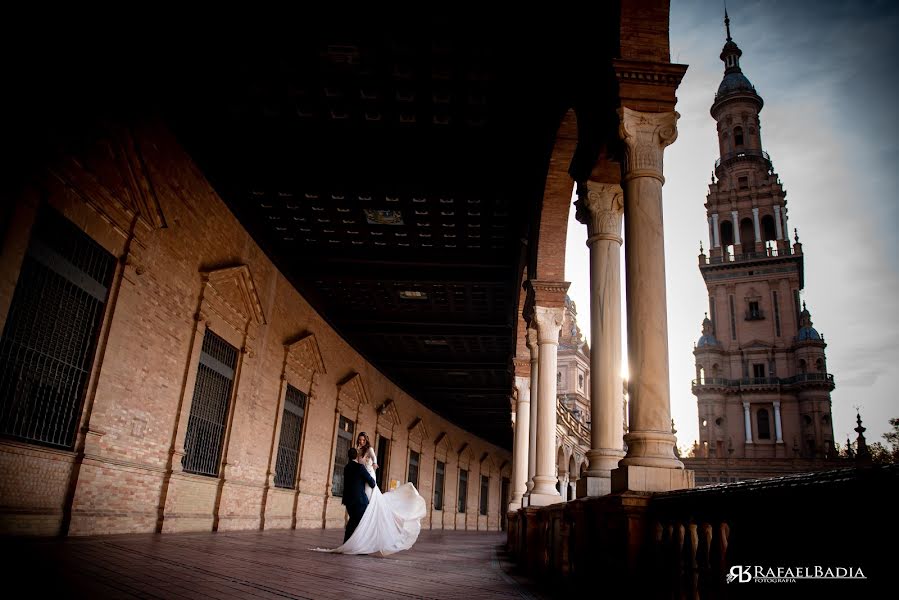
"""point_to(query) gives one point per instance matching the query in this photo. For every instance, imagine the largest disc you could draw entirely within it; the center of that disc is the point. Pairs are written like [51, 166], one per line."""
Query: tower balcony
[743, 155]
[772, 252]
[756, 384]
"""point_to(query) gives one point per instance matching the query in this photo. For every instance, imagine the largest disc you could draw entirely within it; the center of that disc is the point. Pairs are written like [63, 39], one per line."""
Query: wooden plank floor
[270, 564]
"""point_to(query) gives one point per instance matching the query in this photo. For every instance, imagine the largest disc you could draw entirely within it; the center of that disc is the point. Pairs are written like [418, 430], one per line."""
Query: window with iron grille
[439, 475]
[463, 490]
[345, 430]
[413, 467]
[209, 408]
[485, 493]
[289, 443]
[49, 340]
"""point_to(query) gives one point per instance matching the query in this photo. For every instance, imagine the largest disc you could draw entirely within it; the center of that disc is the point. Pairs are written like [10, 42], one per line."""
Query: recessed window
[463, 490]
[738, 136]
[743, 183]
[758, 371]
[764, 425]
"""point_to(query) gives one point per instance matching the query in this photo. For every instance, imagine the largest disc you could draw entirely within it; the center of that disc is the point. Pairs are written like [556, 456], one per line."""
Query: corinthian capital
[549, 324]
[645, 136]
[600, 209]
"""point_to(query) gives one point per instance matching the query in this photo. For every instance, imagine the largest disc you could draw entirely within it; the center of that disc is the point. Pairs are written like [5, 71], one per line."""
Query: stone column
[601, 209]
[786, 224]
[650, 464]
[778, 226]
[532, 436]
[549, 323]
[522, 434]
[716, 242]
[755, 222]
[778, 432]
[735, 219]
[747, 421]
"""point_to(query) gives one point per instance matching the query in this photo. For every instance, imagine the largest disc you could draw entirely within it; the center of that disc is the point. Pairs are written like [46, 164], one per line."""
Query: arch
[561, 463]
[547, 263]
[701, 375]
[763, 424]
[727, 233]
[747, 232]
[738, 137]
[769, 232]
[803, 367]
[716, 370]
[572, 468]
[819, 365]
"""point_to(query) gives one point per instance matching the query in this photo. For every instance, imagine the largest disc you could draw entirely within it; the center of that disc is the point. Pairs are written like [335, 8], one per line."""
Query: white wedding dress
[391, 522]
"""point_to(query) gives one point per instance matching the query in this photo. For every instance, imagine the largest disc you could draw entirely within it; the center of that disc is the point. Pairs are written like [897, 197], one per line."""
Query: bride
[392, 521]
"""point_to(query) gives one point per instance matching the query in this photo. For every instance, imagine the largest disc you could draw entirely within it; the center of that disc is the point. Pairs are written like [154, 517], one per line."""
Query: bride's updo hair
[367, 443]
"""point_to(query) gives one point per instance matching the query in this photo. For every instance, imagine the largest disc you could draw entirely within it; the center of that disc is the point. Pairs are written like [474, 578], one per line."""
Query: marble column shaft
[535, 398]
[601, 208]
[520, 449]
[549, 324]
[650, 441]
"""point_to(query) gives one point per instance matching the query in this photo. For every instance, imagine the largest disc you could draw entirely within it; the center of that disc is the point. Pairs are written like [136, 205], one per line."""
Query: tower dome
[735, 83]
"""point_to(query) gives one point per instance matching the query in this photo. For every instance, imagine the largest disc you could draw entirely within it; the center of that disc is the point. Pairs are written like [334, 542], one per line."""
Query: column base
[536, 499]
[637, 478]
[589, 486]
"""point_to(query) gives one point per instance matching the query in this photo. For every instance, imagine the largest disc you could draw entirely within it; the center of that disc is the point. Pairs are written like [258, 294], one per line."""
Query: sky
[827, 73]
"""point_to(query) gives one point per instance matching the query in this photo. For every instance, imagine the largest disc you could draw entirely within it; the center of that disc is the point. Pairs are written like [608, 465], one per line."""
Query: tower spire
[727, 22]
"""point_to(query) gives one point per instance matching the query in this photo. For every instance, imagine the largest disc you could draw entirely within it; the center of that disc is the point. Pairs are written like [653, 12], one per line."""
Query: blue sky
[827, 72]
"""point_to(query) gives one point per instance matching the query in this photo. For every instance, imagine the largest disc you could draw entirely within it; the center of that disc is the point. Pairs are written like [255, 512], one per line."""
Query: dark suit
[355, 476]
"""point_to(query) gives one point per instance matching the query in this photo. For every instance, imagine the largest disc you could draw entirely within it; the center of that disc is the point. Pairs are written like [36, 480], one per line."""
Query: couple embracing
[378, 522]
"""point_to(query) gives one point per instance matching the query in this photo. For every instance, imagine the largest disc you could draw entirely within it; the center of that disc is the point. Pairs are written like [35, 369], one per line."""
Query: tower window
[738, 136]
[743, 183]
[776, 313]
[733, 320]
[764, 424]
[754, 313]
[727, 233]
[768, 231]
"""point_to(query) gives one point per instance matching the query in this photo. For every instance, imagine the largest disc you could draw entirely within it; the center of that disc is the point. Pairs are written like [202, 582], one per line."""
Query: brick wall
[129, 477]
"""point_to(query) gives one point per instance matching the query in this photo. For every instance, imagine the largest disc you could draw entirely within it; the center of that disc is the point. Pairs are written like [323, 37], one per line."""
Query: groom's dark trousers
[354, 479]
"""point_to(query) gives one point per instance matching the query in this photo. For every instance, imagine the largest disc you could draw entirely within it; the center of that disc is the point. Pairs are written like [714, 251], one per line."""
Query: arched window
[738, 136]
[768, 230]
[727, 233]
[747, 232]
[701, 375]
[819, 365]
[803, 368]
[764, 425]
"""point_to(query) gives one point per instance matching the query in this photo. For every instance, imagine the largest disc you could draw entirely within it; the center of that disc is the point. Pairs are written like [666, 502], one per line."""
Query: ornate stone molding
[231, 294]
[110, 175]
[418, 431]
[351, 393]
[532, 342]
[645, 137]
[549, 324]
[388, 416]
[443, 446]
[601, 209]
[465, 455]
[304, 357]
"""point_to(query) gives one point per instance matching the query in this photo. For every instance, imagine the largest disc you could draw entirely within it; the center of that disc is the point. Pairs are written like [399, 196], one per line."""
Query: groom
[354, 479]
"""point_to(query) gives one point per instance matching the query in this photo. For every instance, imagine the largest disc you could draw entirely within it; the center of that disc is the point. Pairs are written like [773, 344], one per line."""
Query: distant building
[762, 384]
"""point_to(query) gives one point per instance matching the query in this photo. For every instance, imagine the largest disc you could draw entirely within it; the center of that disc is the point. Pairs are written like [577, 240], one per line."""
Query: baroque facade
[762, 385]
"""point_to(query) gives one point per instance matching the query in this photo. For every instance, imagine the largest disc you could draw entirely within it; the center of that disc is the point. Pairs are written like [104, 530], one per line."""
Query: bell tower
[761, 380]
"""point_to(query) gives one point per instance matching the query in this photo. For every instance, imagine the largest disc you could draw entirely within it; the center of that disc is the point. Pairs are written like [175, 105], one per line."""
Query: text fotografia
[760, 574]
